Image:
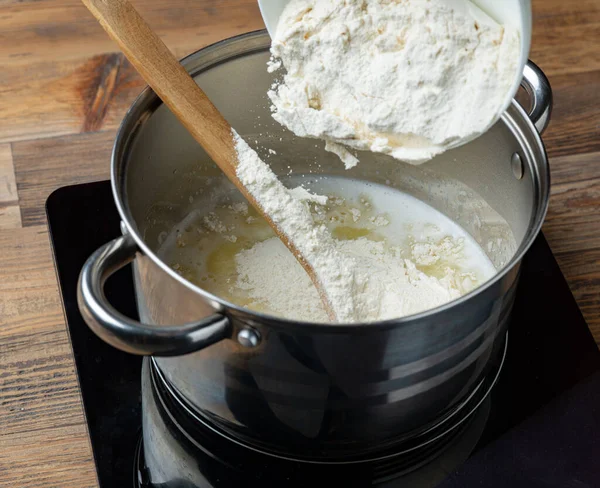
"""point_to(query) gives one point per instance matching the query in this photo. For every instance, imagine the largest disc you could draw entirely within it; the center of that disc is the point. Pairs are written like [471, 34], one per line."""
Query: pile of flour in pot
[407, 78]
[394, 287]
[407, 262]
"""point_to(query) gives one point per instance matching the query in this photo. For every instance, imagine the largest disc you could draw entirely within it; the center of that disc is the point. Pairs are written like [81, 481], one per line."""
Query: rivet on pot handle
[127, 334]
[538, 88]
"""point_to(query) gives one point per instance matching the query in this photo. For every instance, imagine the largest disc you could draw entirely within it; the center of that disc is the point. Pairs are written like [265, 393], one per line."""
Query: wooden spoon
[176, 88]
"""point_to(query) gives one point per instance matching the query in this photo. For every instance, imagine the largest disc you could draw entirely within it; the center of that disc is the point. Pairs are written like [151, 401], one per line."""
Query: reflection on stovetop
[551, 349]
[179, 446]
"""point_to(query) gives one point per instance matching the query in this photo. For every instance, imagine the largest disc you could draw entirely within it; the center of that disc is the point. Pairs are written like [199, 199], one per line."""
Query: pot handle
[538, 88]
[127, 334]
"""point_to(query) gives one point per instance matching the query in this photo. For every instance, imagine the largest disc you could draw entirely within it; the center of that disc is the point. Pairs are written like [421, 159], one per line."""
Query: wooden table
[64, 87]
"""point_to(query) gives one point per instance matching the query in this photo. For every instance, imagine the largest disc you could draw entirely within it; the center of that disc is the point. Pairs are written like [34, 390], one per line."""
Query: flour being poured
[340, 286]
[407, 78]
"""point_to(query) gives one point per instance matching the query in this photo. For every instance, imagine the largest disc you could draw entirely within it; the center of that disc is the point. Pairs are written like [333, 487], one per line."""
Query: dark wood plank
[575, 123]
[573, 220]
[572, 229]
[566, 35]
[575, 167]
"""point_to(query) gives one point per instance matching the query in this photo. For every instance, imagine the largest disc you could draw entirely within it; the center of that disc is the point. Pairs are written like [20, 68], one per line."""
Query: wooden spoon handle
[169, 79]
[176, 88]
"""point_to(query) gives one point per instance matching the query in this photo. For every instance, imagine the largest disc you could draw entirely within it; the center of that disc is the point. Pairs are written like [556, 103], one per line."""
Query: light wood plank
[83, 96]
[10, 214]
[39, 388]
[10, 217]
[43, 438]
[8, 187]
[43, 165]
[58, 457]
[29, 300]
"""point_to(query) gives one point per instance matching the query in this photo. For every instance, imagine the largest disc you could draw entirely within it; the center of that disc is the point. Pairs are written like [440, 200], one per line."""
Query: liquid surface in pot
[412, 257]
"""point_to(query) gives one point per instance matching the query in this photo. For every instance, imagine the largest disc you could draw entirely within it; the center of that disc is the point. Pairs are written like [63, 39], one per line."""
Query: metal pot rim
[147, 102]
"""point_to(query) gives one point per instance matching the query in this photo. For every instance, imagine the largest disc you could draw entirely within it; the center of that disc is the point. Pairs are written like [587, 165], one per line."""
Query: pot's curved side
[345, 393]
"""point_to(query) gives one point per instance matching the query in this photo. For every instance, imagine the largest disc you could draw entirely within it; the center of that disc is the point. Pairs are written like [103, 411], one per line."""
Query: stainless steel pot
[313, 388]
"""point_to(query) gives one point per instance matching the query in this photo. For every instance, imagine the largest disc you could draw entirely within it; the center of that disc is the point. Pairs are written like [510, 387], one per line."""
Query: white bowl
[513, 13]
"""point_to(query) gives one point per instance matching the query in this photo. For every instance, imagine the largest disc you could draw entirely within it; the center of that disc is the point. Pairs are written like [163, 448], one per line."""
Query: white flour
[335, 272]
[365, 280]
[405, 78]
[394, 287]
[405, 260]
[304, 195]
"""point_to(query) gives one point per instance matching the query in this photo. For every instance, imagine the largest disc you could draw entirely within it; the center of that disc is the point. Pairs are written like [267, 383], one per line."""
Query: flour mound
[393, 286]
[407, 78]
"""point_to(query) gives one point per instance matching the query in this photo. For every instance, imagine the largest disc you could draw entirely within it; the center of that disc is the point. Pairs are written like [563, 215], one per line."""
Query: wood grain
[574, 206]
[61, 74]
[565, 35]
[170, 81]
[10, 214]
[43, 438]
[573, 220]
[44, 165]
[58, 457]
[46, 31]
[64, 88]
[67, 97]
[572, 228]
[575, 126]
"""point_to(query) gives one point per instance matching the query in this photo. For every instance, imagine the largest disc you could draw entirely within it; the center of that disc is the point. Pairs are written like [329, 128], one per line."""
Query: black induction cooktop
[544, 422]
